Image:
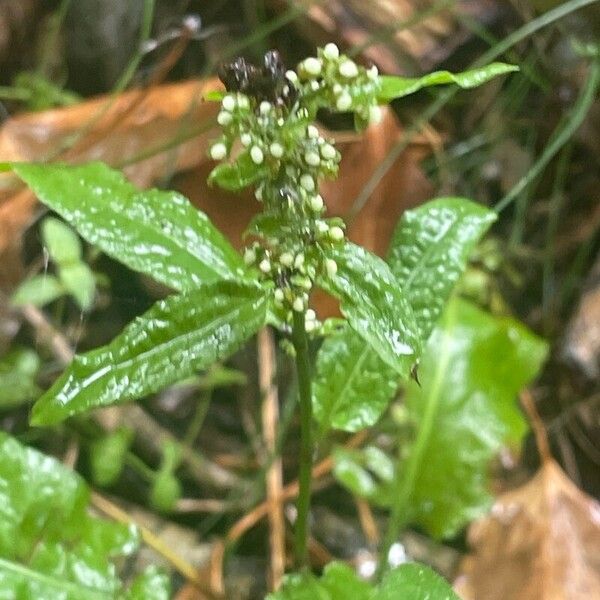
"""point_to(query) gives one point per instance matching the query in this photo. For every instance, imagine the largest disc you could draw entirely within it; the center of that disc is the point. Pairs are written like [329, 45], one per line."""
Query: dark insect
[265, 83]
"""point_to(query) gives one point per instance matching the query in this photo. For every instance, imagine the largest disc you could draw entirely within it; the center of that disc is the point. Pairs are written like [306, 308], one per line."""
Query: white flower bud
[256, 154]
[331, 267]
[264, 108]
[307, 182]
[314, 85]
[249, 256]
[258, 194]
[298, 305]
[344, 102]
[224, 118]
[337, 89]
[312, 132]
[228, 102]
[373, 72]
[312, 66]
[286, 259]
[311, 315]
[291, 76]
[243, 102]
[328, 152]
[246, 139]
[276, 150]
[316, 203]
[310, 326]
[375, 115]
[299, 261]
[331, 51]
[279, 295]
[218, 151]
[348, 69]
[322, 227]
[265, 265]
[336, 233]
[312, 158]
[280, 121]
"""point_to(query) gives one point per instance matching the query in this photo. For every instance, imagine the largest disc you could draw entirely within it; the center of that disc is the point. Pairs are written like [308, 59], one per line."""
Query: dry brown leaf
[119, 131]
[540, 542]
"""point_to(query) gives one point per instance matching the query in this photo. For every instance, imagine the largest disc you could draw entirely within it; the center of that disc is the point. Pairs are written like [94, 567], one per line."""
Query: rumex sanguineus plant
[270, 141]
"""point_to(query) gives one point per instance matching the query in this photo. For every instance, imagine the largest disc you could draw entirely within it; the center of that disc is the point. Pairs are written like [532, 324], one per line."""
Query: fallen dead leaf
[540, 542]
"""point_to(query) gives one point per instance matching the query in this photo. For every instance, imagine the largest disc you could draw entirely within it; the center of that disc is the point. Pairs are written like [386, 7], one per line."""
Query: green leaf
[107, 456]
[428, 253]
[50, 547]
[374, 305]
[415, 582]
[352, 385]
[175, 338]
[393, 87]
[157, 233]
[338, 582]
[80, 282]
[410, 581]
[18, 370]
[39, 291]
[62, 242]
[152, 584]
[465, 410]
[237, 175]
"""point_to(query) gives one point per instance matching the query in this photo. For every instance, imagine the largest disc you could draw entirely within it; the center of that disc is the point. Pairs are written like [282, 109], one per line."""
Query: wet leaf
[393, 87]
[428, 253]
[374, 305]
[471, 371]
[175, 338]
[411, 581]
[18, 370]
[158, 233]
[50, 547]
[352, 385]
[39, 290]
[539, 542]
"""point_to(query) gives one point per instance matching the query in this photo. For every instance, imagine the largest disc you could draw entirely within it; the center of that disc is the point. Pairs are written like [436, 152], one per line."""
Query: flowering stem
[300, 342]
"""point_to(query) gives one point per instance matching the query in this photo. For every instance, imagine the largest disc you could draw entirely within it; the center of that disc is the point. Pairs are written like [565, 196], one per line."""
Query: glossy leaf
[471, 371]
[410, 581]
[50, 547]
[18, 370]
[172, 340]
[236, 176]
[39, 291]
[374, 305]
[157, 233]
[393, 87]
[61, 241]
[413, 581]
[352, 385]
[428, 254]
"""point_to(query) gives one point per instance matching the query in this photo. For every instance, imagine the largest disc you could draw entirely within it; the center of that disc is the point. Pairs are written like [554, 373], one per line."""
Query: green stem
[300, 342]
[409, 467]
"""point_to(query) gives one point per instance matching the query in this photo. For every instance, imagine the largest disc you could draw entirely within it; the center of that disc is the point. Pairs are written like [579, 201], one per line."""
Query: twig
[539, 430]
[274, 477]
[118, 514]
[250, 519]
[367, 521]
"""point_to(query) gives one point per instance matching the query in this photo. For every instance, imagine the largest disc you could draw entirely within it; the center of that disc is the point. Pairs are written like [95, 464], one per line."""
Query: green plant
[271, 142]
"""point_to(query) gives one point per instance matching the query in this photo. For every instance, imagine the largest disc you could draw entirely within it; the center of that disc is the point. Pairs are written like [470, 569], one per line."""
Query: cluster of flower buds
[268, 133]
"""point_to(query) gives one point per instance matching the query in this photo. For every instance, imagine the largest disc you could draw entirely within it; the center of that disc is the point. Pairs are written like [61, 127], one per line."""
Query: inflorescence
[268, 133]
